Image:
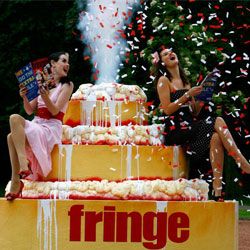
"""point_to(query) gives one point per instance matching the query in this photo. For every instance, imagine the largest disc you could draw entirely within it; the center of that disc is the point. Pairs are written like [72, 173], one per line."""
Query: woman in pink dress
[30, 142]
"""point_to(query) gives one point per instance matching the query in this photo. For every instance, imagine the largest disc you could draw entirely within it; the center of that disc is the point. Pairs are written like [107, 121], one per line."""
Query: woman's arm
[163, 89]
[64, 96]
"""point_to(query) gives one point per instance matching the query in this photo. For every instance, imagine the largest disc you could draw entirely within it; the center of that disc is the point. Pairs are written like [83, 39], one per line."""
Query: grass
[244, 213]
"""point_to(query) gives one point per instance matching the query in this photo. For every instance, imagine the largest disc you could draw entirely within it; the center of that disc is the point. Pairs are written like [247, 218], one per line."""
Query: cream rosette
[82, 92]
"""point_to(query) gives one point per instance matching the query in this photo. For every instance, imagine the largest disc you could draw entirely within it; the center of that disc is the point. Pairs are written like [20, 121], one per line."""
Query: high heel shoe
[25, 173]
[12, 196]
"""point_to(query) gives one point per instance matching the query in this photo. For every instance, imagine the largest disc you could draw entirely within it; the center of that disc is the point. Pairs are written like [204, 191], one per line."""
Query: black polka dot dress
[182, 128]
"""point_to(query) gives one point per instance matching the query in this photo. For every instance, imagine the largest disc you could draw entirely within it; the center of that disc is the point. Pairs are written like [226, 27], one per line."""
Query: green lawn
[244, 214]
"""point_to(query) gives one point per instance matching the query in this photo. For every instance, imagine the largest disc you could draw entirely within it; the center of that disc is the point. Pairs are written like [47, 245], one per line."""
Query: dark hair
[161, 70]
[55, 57]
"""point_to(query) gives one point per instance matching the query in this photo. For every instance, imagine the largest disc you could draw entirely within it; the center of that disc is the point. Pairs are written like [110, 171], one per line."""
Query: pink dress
[42, 135]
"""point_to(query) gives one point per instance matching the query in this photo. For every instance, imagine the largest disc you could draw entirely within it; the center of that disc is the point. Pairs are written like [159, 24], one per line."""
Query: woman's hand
[23, 91]
[194, 91]
[43, 88]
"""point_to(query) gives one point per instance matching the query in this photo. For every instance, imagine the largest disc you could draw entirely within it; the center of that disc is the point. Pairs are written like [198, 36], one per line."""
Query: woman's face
[61, 67]
[169, 58]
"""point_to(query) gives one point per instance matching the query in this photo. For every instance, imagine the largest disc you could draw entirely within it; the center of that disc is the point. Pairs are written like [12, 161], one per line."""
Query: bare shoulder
[163, 82]
[68, 86]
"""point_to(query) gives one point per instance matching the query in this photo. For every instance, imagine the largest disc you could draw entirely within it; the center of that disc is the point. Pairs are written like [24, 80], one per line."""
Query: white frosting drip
[46, 226]
[87, 110]
[112, 112]
[161, 206]
[129, 160]
[137, 157]
[119, 113]
[68, 151]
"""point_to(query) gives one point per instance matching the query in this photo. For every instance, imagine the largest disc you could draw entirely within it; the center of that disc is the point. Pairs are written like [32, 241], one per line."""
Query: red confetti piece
[109, 46]
[101, 24]
[214, 26]
[231, 153]
[86, 58]
[200, 78]
[140, 27]
[224, 39]
[95, 76]
[132, 33]
[172, 127]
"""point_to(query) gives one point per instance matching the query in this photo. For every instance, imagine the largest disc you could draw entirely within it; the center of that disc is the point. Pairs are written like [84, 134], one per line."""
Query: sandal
[12, 196]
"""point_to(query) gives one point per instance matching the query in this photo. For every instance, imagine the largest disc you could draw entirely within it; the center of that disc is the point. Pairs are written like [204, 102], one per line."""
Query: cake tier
[78, 162]
[105, 113]
[102, 225]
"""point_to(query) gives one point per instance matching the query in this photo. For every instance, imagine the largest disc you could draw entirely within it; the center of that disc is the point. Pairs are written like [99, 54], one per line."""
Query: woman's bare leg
[18, 137]
[230, 145]
[15, 179]
[217, 161]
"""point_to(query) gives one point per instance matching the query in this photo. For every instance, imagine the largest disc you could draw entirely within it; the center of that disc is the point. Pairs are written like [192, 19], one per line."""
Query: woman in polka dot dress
[182, 127]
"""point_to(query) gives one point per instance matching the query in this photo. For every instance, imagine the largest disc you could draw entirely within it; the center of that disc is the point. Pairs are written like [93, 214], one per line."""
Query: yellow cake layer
[104, 113]
[85, 224]
[117, 162]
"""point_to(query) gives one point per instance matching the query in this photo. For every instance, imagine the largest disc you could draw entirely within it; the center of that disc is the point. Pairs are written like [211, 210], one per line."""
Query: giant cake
[109, 151]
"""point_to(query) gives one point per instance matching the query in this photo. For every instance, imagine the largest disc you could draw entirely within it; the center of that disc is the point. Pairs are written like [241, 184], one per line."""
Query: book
[31, 74]
[209, 83]
[27, 78]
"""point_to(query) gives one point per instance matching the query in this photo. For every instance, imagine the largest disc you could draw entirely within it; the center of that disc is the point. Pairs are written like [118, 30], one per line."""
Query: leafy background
[205, 34]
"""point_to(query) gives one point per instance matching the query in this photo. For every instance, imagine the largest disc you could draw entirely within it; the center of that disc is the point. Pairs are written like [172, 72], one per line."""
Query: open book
[209, 83]
[29, 76]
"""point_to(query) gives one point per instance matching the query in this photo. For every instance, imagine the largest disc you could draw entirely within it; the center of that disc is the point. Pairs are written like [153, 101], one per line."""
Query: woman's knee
[16, 119]
[219, 122]
[9, 138]
[215, 140]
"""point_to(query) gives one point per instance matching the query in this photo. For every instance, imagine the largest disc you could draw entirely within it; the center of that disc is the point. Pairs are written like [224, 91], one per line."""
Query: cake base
[75, 224]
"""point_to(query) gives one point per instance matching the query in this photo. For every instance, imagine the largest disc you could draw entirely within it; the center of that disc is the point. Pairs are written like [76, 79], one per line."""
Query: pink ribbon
[156, 57]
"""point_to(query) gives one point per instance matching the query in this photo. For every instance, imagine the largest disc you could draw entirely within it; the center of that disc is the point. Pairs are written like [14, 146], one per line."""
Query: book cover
[32, 74]
[209, 83]
[27, 78]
